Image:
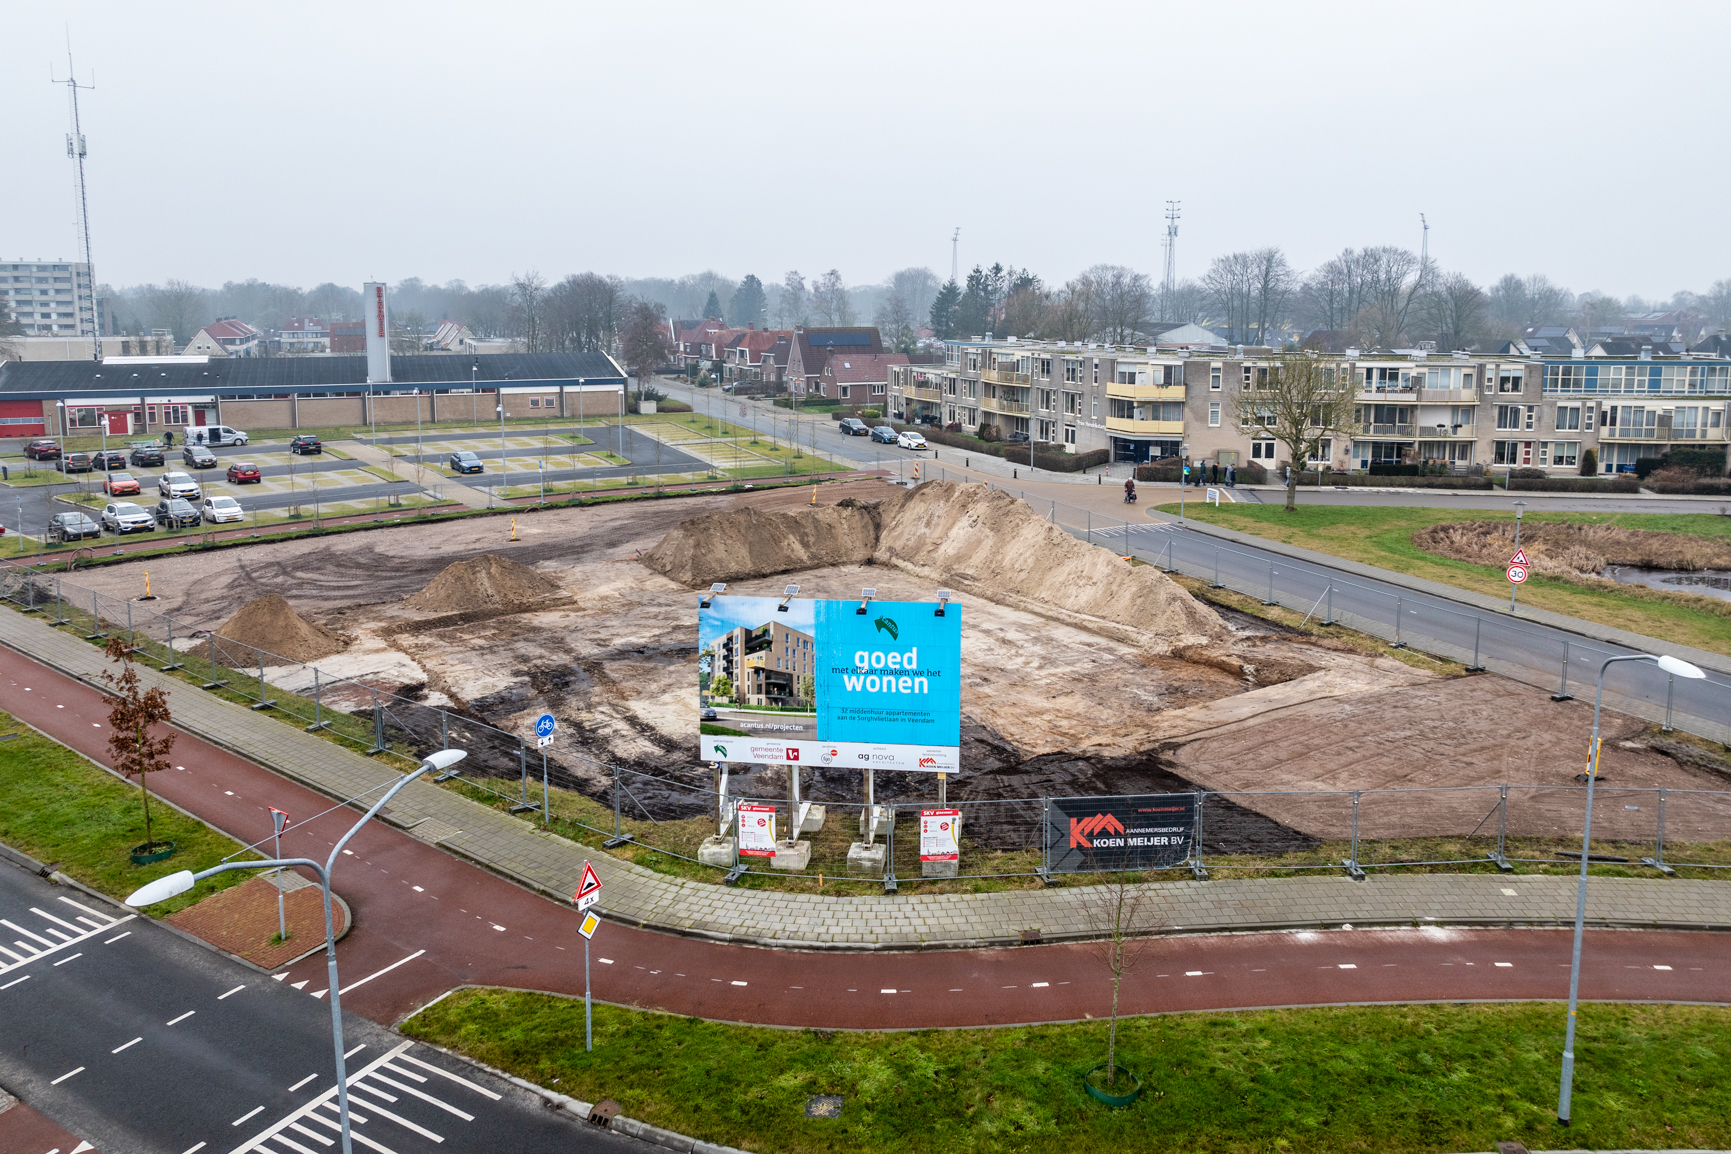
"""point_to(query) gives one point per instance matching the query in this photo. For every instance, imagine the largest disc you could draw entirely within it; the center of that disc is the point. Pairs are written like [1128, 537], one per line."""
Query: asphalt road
[425, 922]
[139, 1040]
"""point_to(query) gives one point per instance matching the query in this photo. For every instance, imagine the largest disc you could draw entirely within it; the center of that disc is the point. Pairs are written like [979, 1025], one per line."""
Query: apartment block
[1412, 406]
[50, 298]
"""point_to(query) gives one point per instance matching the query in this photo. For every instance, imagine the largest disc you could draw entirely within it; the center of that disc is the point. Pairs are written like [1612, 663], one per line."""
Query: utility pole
[1424, 247]
[955, 241]
[75, 151]
[1169, 284]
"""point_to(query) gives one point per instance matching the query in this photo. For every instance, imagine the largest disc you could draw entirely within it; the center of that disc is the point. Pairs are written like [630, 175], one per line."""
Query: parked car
[212, 435]
[176, 512]
[711, 715]
[121, 485]
[198, 457]
[884, 435]
[76, 463]
[126, 517]
[178, 485]
[220, 509]
[42, 451]
[64, 527]
[908, 439]
[854, 427]
[244, 473]
[108, 459]
[306, 443]
[464, 461]
[1016, 437]
[146, 456]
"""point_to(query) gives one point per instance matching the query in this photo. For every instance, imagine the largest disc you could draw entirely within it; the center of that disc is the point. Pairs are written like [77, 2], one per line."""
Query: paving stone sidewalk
[553, 865]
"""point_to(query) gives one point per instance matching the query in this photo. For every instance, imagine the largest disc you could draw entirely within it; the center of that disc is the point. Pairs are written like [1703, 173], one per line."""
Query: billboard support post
[1197, 869]
[943, 788]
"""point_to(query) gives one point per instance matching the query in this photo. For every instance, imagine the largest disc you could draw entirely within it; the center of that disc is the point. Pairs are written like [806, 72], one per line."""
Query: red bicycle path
[426, 922]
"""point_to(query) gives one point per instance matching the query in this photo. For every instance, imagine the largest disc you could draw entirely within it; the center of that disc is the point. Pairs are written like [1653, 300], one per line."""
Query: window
[1322, 452]
[1214, 414]
[1214, 378]
[1508, 381]
[1096, 370]
[1510, 416]
[844, 391]
[534, 402]
[1568, 418]
[1461, 416]
[1559, 454]
[1069, 434]
[1096, 408]
[1511, 452]
[878, 390]
[1262, 450]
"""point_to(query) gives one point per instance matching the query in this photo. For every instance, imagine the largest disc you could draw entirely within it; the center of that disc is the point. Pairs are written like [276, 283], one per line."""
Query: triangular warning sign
[1520, 557]
[590, 884]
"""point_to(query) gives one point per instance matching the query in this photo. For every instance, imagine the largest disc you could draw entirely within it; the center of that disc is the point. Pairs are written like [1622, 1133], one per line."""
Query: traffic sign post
[1517, 574]
[278, 820]
[587, 929]
[544, 727]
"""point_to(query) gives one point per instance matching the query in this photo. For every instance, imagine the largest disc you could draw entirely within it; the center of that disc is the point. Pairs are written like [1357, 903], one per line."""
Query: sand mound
[1571, 550]
[734, 544]
[990, 544]
[271, 624]
[968, 537]
[488, 581]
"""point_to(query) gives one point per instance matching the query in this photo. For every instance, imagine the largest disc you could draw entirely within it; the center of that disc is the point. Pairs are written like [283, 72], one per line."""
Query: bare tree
[177, 306]
[583, 313]
[407, 332]
[1228, 285]
[1075, 312]
[1716, 306]
[1027, 312]
[829, 300]
[1530, 301]
[1597, 311]
[1271, 285]
[643, 342]
[1454, 311]
[1121, 911]
[793, 304]
[1124, 300]
[1394, 280]
[139, 739]
[918, 286]
[528, 310]
[1300, 400]
[895, 320]
[1334, 294]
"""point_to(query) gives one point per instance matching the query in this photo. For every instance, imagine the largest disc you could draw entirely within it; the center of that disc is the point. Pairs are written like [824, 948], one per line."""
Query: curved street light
[1676, 667]
[175, 884]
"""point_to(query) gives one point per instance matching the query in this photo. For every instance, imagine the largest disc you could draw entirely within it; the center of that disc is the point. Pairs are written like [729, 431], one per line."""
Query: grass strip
[1388, 1079]
[61, 808]
[1381, 535]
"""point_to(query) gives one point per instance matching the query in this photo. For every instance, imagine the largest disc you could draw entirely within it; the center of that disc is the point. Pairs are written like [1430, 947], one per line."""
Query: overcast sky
[311, 142]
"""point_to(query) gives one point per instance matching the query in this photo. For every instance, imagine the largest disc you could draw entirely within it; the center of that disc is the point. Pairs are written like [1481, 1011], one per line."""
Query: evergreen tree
[712, 306]
[943, 314]
[747, 304]
[974, 312]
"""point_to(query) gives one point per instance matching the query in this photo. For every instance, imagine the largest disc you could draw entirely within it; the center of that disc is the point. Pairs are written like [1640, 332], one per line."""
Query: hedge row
[1354, 480]
[1249, 473]
[1621, 483]
[1057, 462]
[1705, 487]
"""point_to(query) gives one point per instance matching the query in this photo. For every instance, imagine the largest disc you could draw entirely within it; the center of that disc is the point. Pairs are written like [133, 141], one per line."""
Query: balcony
[916, 393]
[1449, 396]
[998, 406]
[1386, 393]
[1145, 428]
[1145, 392]
[1004, 377]
[1660, 432]
[1374, 430]
[1447, 432]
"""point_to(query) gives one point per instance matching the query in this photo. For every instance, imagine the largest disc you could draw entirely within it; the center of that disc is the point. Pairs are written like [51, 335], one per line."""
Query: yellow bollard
[814, 494]
[513, 528]
[147, 596]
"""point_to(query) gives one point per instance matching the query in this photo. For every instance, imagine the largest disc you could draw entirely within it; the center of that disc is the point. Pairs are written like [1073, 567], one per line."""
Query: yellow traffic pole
[814, 494]
[513, 528]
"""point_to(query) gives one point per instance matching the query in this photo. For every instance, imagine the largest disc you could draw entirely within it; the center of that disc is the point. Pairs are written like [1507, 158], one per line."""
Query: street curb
[1717, 662]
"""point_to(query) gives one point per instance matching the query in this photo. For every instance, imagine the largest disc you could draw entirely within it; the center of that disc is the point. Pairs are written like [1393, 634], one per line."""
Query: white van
[213, 435]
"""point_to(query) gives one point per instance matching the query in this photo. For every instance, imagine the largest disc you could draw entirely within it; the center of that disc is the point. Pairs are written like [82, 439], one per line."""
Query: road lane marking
[10, 954]
[236, 990]
[26, 933]
[386, 970]
[80, 930]
[250, 1113]
[1348, 966]
[453, 1077]
[324, 1099]
[604, 961]
[301, 985]
[313, 1134]
[66, 1075]
[957, 990]
[1506, 965]
[127, 1045]
[419, 890]
[112, 940]
[184, 1017]
[1661, 967]
[356, 1050]
[1193, 973]
[73, 958]
[1038, 985]
[301, 1083]
[445, 1106]
[14, 982]
[886, 991]
[384, 1113]
[739, 983]
[193, 1149]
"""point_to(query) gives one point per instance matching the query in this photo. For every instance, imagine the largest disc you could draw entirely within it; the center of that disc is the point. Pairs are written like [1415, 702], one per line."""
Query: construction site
[1084, 674]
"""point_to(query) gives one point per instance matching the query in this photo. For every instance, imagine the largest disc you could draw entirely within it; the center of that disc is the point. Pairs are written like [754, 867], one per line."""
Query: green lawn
[1382, 535]
[60, 808]
[1387, 1079]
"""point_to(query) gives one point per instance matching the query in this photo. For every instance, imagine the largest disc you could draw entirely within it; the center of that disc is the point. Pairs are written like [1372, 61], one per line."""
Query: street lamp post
[1520, 508]
[1676, 668]
[167, 887]
[501, 437]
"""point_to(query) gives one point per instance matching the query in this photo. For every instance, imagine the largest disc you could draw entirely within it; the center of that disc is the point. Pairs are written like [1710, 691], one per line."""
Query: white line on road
[1661, 967]
[73, 958]
[14, 982]
[1506, 965]
[250, 1113]
[890, 991]
[112, 940]
[236, 990]
[386, 970]
[739, 983]
[184, 1017]
[104, 918]
[302, 1082]
[482, 1090]
[356, 1050]
[1038, 985]
[193, 1149]
[1349, 965]
[306, 1110]
[126, 1045]
[66, 1075]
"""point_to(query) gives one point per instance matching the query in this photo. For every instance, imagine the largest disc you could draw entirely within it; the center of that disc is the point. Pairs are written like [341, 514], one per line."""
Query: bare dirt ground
[1054, 703]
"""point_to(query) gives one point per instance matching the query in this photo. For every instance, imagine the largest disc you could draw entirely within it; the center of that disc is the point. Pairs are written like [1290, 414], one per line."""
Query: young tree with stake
[1300, 400]
[1120, 911]
[131, 718]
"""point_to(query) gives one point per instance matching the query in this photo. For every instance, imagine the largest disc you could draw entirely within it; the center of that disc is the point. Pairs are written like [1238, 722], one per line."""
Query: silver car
[180, 485]
[220, 509]
[126, 517]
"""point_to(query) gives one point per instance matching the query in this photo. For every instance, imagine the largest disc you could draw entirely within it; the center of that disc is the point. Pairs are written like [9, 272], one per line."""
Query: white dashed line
[739, 983]
[419, 890]
[126, 1045]
[957, 990]
[194, 1149]
[301, 1083]
[14, 982]
[184, 1017]
[236, 990]
[1038, 985]
[116, 938]
[1661, 967]
[609, 962]
[73, 958]
[66, 1075]
[1348, 966]
[886, 991]
[1506, 965]
[248, 1114]
[1193, 973]
[356, 1050]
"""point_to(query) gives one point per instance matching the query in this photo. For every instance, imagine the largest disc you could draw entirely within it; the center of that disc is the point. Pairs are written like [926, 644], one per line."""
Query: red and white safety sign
[1517, 573]
[940, 833]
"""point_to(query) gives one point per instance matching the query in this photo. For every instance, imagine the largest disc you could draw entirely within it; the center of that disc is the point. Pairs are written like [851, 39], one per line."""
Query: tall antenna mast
[1424, 246]
[1169, 284]
[954, 241]
[75, 151]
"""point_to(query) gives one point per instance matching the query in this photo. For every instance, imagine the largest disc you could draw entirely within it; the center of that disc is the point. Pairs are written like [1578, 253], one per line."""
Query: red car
[42, 451]
[120, 485]
[242, 472]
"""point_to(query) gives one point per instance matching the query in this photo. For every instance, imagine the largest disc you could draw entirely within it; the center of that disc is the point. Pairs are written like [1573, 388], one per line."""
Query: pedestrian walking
[1231, 477]
[168, 438]
[1214, 471]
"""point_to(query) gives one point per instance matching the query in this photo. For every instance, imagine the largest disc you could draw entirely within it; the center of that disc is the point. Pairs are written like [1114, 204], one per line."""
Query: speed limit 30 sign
[1517, 573]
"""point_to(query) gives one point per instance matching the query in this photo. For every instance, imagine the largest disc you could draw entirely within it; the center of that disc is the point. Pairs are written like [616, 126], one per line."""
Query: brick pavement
[553, 865]
[242, 920]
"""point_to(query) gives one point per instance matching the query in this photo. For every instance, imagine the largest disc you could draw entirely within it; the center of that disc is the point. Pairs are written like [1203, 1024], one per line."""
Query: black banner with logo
[1145, 831]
